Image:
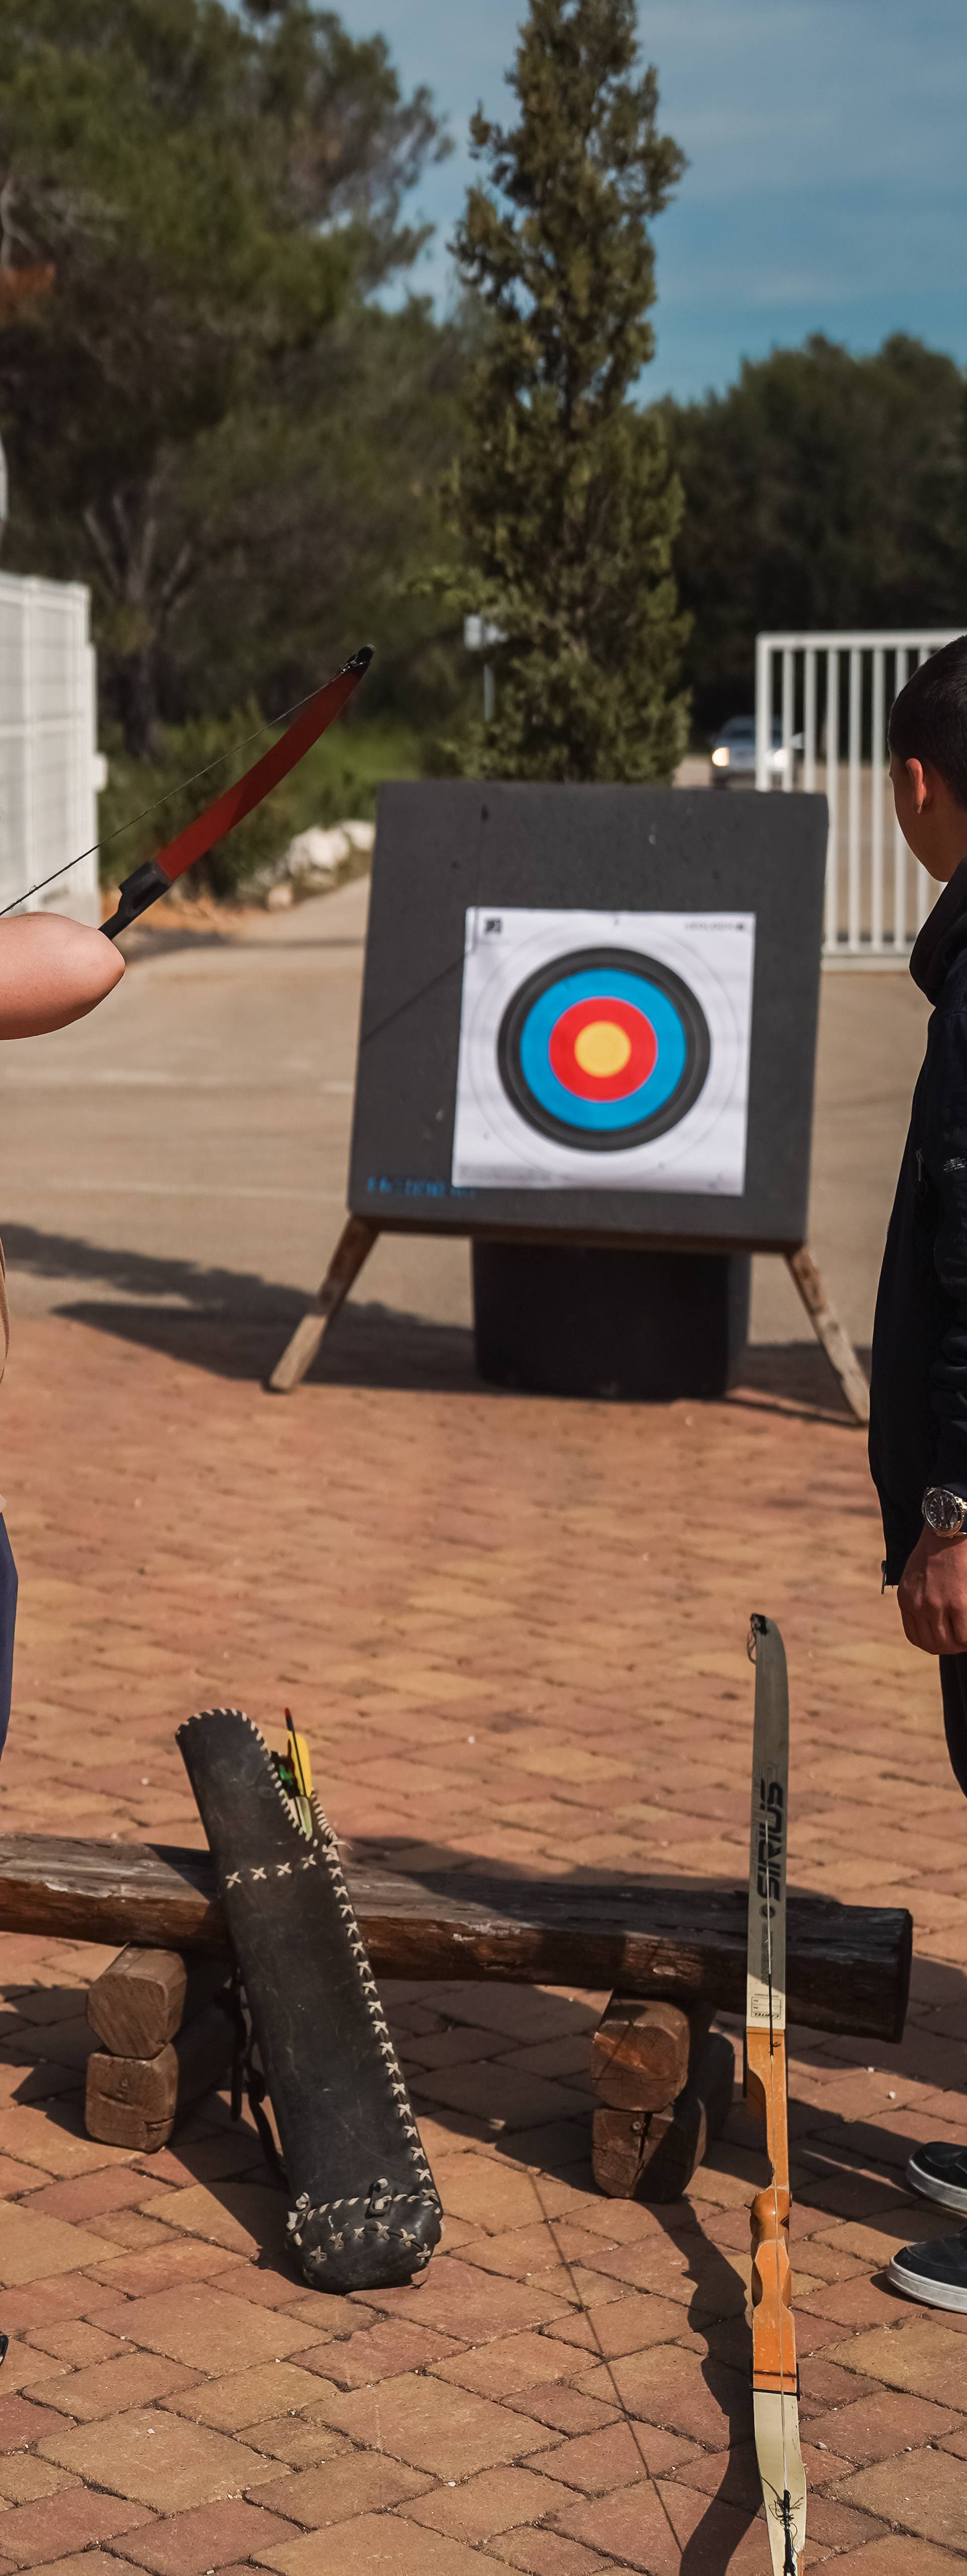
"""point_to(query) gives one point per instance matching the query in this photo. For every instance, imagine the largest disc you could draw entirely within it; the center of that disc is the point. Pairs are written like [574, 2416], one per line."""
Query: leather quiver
[364, 2212]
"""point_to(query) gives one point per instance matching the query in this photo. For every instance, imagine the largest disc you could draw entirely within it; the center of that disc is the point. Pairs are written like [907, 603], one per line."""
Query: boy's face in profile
[933, 825]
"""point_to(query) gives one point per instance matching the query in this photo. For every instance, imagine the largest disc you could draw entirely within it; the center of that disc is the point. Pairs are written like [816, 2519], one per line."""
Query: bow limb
[156, 875]
[775, 2383]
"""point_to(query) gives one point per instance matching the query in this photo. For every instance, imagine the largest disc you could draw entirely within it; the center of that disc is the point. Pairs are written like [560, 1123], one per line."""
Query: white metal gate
[49, 766]
[829, 696]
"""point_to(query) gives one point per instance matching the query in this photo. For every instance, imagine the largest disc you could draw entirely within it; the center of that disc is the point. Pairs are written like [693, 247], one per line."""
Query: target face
[604, 1050]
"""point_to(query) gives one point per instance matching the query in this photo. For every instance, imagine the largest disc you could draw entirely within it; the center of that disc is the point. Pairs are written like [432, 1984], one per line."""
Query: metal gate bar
[872, 909]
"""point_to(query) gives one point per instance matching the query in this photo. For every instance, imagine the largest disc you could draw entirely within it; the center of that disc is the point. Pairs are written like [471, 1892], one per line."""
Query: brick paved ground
[500, 1645]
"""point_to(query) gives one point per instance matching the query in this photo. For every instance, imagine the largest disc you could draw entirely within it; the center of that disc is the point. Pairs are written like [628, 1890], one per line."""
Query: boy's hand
[933, 1594]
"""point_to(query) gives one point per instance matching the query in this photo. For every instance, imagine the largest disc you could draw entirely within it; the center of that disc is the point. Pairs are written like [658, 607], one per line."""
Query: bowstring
[178, 789]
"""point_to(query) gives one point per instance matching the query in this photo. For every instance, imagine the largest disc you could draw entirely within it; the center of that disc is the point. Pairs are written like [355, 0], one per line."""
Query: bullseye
[603, 1048]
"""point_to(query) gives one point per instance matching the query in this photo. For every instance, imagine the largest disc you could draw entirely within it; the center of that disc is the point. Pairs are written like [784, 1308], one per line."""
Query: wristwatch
[945, 1511]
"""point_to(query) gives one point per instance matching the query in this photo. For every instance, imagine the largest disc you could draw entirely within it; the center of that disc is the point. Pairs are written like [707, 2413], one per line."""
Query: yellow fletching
[301, 1764]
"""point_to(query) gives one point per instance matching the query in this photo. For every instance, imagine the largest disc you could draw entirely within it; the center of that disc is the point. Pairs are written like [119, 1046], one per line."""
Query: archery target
[604, 1050]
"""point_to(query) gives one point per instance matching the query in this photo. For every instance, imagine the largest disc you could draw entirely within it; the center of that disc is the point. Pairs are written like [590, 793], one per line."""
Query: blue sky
[827, 143]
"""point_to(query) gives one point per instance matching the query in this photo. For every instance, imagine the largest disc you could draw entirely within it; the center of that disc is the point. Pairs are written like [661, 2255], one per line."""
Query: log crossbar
[848, 1966]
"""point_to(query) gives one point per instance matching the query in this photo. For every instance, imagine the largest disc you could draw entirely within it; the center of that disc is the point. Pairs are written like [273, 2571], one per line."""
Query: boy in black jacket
[918, 1395]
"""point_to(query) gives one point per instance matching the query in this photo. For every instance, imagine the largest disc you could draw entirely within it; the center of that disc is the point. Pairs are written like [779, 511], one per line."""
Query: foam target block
[591, 1011]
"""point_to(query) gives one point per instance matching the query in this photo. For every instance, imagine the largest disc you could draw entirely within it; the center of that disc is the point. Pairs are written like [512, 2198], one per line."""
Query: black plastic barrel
[569, 1319]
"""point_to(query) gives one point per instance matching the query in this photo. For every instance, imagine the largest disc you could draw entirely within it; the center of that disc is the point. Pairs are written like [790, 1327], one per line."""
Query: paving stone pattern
[514, 1632]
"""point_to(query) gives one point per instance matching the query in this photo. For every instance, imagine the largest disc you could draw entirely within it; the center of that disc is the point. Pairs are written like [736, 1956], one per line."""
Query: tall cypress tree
[564, 500]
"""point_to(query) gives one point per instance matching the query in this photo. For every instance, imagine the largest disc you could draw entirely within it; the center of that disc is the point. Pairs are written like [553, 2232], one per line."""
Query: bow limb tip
[783, 2480]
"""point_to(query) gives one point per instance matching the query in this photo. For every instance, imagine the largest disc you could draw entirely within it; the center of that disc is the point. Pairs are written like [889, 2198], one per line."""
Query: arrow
[775, 2378]
[155, 876]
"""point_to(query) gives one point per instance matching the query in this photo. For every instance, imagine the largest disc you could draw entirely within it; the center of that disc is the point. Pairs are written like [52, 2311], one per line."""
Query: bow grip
[136, 892]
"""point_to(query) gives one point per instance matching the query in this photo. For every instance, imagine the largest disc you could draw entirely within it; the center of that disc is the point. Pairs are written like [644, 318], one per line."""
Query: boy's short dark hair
[928, 721]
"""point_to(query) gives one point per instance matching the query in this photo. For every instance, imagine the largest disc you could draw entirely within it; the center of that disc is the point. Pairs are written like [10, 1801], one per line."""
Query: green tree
[822, 490]
[214, 192]
[563, 500]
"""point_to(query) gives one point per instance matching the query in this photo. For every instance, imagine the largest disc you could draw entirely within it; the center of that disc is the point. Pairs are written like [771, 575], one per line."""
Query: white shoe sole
[931, 2294]
[947, 2194]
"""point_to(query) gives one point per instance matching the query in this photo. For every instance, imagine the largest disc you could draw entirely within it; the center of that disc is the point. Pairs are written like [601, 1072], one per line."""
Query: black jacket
[918, 1393]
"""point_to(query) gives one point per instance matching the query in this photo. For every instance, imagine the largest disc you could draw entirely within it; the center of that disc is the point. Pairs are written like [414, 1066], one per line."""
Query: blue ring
[602, 1116]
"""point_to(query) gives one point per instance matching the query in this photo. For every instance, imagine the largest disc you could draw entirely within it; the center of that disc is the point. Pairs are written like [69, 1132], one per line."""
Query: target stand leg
[829, 1331]
[353, 1248]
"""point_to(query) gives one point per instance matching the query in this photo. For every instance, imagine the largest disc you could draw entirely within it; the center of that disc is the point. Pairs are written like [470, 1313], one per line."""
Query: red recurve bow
[308, 720]
[155, 876]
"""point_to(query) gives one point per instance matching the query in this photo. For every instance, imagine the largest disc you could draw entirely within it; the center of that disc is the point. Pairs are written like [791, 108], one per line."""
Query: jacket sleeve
[944, 1156]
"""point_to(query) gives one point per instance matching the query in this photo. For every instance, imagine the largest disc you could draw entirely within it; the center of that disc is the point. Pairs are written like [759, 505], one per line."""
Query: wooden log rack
[672, 1957]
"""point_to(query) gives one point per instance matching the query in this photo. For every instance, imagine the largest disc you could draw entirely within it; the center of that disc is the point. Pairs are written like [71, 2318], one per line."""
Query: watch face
[944, 1511]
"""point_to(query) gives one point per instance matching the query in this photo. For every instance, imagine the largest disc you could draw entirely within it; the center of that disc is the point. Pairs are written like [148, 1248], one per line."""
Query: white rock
[279, 897]
[360, 836]
[317, 853]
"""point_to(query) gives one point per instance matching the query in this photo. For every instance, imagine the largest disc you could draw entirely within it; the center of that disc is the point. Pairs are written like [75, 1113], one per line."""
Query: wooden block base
[135, 2101]
[642, 2050]
[138, 2003]
[652, 2155]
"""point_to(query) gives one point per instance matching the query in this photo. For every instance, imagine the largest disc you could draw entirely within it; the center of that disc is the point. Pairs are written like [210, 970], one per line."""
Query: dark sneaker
[940, 2173]
[935, 2273]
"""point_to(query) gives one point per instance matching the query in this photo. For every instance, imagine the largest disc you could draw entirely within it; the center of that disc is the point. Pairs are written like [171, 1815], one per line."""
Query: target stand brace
[356, 1243]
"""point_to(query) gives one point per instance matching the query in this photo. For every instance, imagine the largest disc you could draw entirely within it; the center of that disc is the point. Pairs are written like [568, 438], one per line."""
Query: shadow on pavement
[797, 1376]
[235, 1324]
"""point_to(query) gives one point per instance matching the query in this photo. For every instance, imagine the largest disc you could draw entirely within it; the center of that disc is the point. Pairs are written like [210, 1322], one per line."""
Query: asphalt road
[182, 1154]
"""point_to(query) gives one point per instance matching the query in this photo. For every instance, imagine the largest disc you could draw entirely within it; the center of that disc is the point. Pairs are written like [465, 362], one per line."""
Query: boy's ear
[921, 788]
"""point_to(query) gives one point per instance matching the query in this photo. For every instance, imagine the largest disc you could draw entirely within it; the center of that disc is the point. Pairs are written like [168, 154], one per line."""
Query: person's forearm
[52, 971]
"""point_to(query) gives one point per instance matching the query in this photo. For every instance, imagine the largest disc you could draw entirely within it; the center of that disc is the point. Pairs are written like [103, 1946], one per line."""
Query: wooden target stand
[356, 1243]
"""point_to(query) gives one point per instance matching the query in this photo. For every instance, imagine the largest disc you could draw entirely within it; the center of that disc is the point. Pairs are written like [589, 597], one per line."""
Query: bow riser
[773, 2331]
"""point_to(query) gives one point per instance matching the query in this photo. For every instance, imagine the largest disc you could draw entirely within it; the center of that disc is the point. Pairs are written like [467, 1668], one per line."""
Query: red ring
[609, 1086]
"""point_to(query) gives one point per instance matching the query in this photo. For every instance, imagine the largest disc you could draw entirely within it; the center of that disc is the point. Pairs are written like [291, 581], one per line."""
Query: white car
[733, 751]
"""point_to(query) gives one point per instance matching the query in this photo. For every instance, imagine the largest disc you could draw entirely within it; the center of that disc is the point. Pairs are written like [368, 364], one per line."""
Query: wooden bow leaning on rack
[775, 2379]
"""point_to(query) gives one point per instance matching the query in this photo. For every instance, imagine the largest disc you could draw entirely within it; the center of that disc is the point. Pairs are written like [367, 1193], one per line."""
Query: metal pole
[900, 931]
[855, 749]
[832, 799]
[787, 707]
[809, 722]
[876, 803]
[763, 709]
[924, 890]
[489, 693]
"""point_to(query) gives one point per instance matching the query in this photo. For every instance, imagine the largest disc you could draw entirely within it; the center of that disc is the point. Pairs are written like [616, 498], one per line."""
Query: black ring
[698, 1049]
